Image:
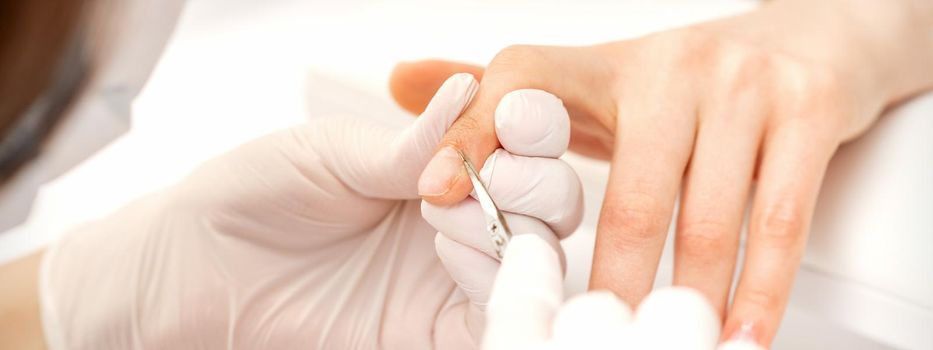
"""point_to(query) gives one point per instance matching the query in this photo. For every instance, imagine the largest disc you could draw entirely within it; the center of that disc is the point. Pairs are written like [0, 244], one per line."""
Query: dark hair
[34, 36]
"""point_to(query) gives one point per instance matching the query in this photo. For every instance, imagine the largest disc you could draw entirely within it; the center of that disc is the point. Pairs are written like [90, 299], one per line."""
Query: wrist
[895, 40]
[881, 48]
[886, 46]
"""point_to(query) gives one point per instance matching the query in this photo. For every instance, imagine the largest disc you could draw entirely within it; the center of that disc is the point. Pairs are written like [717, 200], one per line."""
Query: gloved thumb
[413, 149]
[381, 163]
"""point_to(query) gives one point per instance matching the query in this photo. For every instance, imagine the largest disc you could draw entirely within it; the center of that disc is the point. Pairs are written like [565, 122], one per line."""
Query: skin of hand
[527, 311]
[706, 113]
[309, 237]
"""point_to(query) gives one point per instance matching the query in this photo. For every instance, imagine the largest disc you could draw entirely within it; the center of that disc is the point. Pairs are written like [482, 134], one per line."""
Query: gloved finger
[413, 84]
[415, 146]
[595, 320]
[544, 188]
[474, 273]
[463, 222]
[681, 311]
[533, 123]
[739, 345]
[443, 182]
[526, 295]
[382, 163]
[472, 270]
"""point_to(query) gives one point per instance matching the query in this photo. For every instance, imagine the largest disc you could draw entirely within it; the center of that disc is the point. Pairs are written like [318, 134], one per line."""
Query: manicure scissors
[495, 223]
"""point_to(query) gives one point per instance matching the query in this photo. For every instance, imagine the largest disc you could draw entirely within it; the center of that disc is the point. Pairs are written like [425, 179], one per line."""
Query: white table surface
[237, 69]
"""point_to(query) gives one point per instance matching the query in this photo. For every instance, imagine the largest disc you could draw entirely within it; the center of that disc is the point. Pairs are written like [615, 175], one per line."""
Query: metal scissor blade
[495, 223]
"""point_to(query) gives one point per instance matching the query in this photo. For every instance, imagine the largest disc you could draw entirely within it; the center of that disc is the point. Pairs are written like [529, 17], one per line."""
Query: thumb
[413, 148]
[381, 163]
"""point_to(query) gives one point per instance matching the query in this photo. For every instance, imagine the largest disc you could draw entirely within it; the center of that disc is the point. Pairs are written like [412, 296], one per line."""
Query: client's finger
[525, 296]
[714, 196]
[795, 158]
[412, 84]
[415, 146]
[444, 181]
[653, 146]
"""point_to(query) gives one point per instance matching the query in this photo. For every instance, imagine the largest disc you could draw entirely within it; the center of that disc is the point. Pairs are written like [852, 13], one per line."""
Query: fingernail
[745, 333]
[442, 171]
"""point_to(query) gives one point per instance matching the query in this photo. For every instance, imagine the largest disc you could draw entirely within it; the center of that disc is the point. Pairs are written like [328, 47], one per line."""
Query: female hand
[707, 113]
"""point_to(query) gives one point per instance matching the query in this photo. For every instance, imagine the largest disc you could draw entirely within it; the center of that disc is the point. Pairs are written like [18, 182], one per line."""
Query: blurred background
[237, 69]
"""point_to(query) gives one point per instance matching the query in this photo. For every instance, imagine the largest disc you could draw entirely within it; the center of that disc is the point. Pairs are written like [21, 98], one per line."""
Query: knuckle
[812, 91]
[815, 86]
[697, 47]
[762, 299]
[746, 70]
[689, 50]
[470, 132]
[782, 224]
[703, 237]
[465, 126]
[739, 69]
[637, 218]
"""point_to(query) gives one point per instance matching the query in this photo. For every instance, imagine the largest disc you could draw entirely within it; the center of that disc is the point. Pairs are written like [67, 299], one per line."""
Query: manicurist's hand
[312, 237]
[706, 113]
[527, 311]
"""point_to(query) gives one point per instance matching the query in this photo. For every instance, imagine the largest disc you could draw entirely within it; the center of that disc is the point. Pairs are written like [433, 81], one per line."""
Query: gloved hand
[526, 311]
[538, 194]
[308, 238]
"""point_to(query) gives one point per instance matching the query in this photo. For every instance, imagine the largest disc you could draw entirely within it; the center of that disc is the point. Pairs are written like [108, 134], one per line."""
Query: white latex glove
[526, 311]
[538, 193]
[309, 238]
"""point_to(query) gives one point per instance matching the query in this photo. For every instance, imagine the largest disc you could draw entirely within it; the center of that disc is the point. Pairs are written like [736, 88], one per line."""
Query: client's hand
[311, 237]
[700, 113]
